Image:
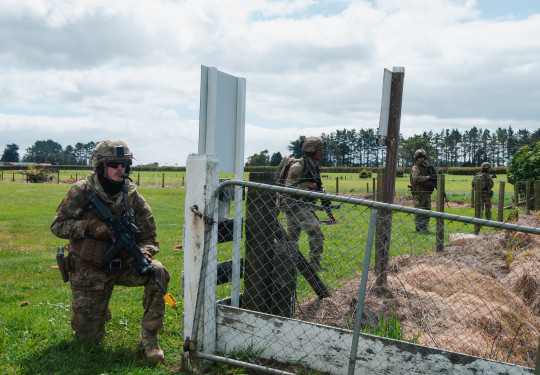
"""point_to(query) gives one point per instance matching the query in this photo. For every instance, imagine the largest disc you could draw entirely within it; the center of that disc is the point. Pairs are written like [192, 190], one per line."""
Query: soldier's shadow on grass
[78, 358]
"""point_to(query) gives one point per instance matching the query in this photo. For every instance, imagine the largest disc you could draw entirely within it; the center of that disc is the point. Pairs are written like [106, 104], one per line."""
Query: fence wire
[477, 295]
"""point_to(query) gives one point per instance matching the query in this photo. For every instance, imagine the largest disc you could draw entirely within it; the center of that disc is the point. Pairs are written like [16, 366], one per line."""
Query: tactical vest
[422, 187]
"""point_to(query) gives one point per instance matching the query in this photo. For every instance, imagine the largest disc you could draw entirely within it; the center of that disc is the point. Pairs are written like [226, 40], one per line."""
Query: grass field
[36, 305]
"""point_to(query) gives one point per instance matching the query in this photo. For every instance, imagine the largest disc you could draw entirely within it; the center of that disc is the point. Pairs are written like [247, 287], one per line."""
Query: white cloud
[84, 70]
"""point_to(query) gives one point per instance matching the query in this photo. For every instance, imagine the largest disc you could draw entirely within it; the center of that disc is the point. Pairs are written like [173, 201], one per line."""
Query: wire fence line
[472, 308]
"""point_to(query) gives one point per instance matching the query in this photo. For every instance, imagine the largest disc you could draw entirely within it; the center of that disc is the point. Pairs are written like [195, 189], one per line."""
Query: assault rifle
[433, 175]
[326, 205]
[124, 231]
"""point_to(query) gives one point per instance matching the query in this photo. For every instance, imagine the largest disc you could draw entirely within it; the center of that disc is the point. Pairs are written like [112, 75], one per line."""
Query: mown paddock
[27, 250]
[458, 187]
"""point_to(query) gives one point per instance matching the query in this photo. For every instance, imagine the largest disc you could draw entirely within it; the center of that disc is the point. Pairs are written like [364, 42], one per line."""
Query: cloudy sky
[87, 70]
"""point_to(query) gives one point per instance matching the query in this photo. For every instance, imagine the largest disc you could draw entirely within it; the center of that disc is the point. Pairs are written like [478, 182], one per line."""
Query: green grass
[36, 336]
[36, 304]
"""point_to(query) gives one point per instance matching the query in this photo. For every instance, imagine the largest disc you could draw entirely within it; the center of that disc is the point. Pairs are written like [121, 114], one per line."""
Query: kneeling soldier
[92, 281]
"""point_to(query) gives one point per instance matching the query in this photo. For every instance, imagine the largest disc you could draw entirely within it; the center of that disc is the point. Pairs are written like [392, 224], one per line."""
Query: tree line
[344, 148]
[448, 148]
[51, 152]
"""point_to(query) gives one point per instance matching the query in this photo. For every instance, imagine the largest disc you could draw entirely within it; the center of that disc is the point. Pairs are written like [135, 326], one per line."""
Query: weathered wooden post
[440, 207]
[389, 124]
[528, 196]
[138, 179]
[259, 241]
[501, 202]
[516, 194]
[58, 174]
[478, 203]
[537, 195]
[284, 278]
[378, 192]
[337, 185]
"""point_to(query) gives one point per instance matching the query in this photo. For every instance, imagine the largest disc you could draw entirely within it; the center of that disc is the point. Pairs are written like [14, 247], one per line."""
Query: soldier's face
[421, 159]
[114, 173]
[318, 155]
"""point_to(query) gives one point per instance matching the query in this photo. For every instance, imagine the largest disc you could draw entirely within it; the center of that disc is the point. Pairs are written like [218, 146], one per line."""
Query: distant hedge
[55, 168]
[354, 170]
[474, 170]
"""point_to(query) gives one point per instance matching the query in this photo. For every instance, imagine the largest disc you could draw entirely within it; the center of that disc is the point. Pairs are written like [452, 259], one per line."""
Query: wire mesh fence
[444, 290]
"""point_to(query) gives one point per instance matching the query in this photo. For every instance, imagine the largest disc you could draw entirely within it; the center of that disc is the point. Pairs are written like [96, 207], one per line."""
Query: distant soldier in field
[423, 180]
[487, 185]
[301, 216]
[92, 281]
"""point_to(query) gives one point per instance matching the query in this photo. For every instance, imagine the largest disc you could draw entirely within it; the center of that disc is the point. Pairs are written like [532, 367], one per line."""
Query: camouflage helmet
[485, 166]
[420, 153]
[111, 150]
[313, 144]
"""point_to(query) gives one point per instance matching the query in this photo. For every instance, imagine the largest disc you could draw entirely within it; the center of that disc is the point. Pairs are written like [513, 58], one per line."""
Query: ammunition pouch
[90, 250]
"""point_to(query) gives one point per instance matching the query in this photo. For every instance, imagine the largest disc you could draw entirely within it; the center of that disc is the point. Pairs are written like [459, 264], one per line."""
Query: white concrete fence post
[202, 178]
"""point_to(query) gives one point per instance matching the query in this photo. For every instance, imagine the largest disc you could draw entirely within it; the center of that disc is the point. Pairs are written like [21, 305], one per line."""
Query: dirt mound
[480, 298]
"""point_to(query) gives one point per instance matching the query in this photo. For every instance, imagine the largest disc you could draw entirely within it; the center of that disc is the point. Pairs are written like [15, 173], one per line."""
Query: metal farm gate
[446, 300]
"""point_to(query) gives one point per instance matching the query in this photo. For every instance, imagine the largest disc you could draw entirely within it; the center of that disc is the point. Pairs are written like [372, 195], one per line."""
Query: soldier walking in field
[487, 185]
[92, 281]
[423, 179]
[300, 214]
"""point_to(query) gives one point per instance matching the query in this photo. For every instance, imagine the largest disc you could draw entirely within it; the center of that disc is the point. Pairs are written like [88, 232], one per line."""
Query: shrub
[37, 174]
[365, 174]
[525, 165]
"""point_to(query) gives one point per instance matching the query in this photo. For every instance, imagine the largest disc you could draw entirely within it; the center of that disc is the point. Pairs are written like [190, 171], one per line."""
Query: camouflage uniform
[301, 216]
[91, 280]
[421, 189]
[487, 192]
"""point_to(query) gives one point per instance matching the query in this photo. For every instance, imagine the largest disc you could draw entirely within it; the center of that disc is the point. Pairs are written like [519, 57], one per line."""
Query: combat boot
[149, 342]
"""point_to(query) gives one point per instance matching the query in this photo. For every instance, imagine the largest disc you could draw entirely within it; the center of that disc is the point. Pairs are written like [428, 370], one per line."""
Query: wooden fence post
[440, 207]
[478, 203]
[516, 194]
[58, 179]
[528, 196]
[163, 180]
[501, 201]
[380, 184]
[537, 195]
[337, 185]
[261, 210]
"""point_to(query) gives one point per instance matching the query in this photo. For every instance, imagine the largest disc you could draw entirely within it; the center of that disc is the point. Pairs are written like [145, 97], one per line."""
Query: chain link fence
[445, 300]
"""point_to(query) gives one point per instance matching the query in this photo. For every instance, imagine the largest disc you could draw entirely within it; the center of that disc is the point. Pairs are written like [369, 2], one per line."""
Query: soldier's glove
[98, 230]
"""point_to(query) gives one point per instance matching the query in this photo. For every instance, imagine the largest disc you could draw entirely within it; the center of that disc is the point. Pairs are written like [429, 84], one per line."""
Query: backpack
[480, 177]
[280, 175]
